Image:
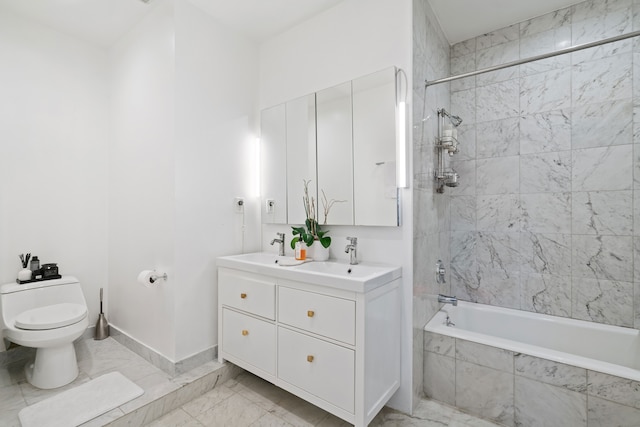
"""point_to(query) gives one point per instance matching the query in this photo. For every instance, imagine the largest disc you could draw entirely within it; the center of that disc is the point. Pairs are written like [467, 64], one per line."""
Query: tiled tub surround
[519, 389]
[547, 214]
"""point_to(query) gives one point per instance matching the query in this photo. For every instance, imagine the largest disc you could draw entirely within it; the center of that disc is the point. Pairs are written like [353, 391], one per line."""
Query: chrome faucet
[352, 250]
[447, 299]
[280, 240]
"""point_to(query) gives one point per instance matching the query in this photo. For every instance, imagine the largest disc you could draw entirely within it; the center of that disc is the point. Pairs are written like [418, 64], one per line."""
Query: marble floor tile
[207, 400]
[176, 418]
[237, 399]
[96, 358]
[293, 411]
[234, 411]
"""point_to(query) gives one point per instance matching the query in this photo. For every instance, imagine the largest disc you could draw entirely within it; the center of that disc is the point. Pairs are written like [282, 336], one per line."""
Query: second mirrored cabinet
[342, 140]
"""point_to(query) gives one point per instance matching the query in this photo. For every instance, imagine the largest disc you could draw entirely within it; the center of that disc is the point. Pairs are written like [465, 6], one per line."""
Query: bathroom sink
[339, 274]
[258, 258]
[343, 269]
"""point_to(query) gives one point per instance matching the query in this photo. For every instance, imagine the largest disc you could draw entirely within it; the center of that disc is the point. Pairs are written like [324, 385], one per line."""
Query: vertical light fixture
[401, 130]
[255, 166]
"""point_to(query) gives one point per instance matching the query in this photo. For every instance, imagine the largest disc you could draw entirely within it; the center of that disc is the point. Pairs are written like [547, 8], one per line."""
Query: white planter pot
[317, 252]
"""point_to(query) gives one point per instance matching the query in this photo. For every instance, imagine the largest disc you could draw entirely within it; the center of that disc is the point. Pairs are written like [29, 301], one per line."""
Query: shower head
[455, 120]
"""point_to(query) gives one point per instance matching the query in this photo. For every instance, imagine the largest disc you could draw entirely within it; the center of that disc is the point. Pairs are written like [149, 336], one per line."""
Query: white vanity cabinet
[335, 347]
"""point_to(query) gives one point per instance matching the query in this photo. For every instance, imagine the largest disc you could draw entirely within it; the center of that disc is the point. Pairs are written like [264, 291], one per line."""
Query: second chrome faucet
[280, 241]
[352, 250]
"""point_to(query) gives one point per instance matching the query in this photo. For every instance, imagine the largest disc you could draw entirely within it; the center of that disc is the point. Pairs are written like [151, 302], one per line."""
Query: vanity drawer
[323, 369]
[248, 292]
[321, 314]
[249, 339]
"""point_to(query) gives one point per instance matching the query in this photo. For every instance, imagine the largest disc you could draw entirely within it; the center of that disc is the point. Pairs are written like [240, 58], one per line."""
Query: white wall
[142, 181]
[184, 93]
[355, 38]
[53, 153]
[216, 91]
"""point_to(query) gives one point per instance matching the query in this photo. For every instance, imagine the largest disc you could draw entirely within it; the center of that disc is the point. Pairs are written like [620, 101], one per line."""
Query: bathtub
[607, 349]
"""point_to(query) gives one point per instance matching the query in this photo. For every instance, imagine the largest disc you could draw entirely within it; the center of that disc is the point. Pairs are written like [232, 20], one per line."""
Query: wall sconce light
[401, 129]
[255, 167]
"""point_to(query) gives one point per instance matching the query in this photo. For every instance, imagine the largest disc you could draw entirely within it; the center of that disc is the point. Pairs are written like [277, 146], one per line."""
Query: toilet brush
[102, 326]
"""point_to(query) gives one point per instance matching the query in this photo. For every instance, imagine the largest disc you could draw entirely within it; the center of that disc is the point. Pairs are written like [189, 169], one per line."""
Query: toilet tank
[15, 298]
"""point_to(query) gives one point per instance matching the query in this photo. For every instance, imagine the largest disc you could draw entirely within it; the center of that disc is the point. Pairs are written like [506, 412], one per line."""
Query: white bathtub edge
[436, 325]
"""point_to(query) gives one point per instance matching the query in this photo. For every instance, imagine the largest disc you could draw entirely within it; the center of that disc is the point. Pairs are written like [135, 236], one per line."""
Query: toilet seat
[51, 316]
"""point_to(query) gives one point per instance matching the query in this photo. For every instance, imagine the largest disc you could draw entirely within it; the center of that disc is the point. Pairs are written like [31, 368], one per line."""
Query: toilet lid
[51, 316]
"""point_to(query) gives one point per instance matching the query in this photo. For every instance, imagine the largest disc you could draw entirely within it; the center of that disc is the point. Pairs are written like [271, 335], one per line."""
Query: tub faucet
[352, 250]
[447, 299]
[280, 241]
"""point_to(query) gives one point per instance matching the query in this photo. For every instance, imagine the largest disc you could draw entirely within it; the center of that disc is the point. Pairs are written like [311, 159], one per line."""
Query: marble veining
[620, 390]
[497, 37]
[602, 257]
[546, 91]
[601, 80]
[602, 124]
[542, 404]
[485, 392]
[498, 138]
[463, 213]
[546, 212]
[545, 132]
[546, 41]
[603, 168]
[546, 253]
[484, 355]
[496, 55]
[549, 21]
[463, 104]
[550, 372]
[497, 101]
[545, 172]
[466, 142]
[546, 294]
[460, 65]
[498, 175]
[497, 255]
[603, 212]
[499, 213]
[603, 301]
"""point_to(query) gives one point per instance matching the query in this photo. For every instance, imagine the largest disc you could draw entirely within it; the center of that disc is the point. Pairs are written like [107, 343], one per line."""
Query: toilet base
[53, 367]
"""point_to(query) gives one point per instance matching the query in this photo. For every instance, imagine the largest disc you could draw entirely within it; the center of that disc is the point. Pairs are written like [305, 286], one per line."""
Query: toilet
[48, 316]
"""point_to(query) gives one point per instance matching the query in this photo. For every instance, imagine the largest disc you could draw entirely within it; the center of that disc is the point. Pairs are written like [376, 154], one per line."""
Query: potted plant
[312, 231]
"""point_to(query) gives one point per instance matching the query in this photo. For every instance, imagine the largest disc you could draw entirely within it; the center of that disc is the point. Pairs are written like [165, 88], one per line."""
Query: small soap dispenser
[301, 251]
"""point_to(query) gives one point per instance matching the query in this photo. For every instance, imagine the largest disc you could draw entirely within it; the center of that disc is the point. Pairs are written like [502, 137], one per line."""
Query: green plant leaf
[308, 239]
[293, 242]
[325, 241]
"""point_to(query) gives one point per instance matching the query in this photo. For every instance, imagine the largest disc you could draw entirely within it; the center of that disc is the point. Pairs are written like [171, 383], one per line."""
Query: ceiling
[464, 19]
[103, 21]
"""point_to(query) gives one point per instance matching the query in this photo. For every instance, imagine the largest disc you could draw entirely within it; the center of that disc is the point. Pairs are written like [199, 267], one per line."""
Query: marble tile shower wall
[547, 215]
[431, 211]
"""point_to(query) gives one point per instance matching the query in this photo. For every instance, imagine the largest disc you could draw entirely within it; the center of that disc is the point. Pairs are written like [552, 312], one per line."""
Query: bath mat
[81, 404]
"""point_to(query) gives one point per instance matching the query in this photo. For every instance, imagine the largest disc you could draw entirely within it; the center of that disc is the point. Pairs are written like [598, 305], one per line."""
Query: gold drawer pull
[245, 332]
[309, 358]
[310, 313]
[243, 295]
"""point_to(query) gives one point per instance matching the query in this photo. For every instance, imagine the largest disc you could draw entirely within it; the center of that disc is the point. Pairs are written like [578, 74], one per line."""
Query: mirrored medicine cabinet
[342, 139]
